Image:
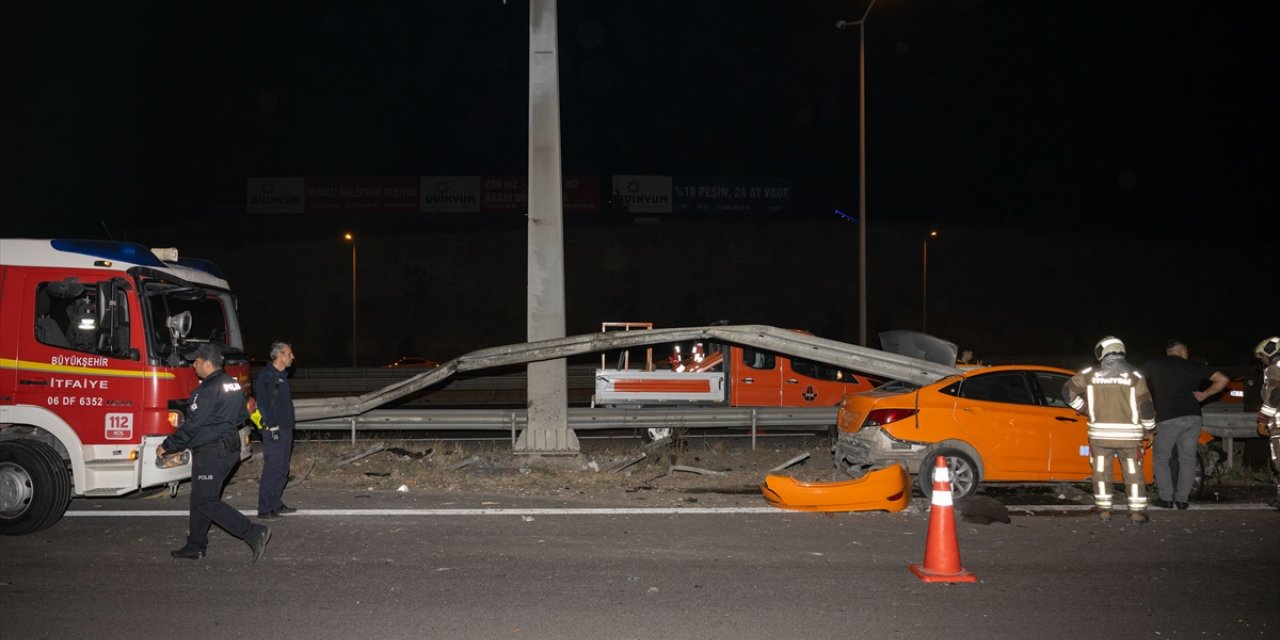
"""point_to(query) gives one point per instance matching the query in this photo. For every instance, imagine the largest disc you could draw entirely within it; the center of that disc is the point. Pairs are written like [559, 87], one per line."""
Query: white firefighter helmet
[1107, 346]
[1268, 348]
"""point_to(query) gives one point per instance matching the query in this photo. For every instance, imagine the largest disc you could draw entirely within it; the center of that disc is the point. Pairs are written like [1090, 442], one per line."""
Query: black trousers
[209, 471]
[275, 470]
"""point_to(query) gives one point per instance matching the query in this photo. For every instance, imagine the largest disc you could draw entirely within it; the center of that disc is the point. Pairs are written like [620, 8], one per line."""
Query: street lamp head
[348, 237]
[933, 233]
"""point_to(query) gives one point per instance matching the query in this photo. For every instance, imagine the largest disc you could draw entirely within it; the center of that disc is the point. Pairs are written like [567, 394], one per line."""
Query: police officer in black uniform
[215, 412]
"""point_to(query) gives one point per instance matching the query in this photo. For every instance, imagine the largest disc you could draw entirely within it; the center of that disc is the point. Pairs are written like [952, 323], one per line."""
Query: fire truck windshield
[181, 317]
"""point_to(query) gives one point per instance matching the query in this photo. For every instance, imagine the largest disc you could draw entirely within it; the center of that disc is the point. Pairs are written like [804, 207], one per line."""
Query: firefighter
[1268, 351]
[1115, 398]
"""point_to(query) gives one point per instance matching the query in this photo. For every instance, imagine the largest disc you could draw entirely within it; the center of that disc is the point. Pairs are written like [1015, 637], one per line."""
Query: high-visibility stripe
[941, 498]
[42, 367]
[1133, 404]
[663, 386]
[1089, 390]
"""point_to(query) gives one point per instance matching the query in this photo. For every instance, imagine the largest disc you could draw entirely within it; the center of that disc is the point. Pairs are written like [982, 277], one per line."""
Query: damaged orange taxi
[996, 424]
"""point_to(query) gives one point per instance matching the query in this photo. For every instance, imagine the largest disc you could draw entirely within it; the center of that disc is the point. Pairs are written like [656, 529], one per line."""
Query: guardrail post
[353, 430]
[753, 429]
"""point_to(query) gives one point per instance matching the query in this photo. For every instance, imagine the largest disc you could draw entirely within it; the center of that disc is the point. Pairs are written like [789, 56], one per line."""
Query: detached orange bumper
[887, 489]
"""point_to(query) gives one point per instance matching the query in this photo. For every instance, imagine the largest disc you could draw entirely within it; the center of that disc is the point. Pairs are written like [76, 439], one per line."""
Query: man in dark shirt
[1175, 382]
[215, 412]
[275, 401]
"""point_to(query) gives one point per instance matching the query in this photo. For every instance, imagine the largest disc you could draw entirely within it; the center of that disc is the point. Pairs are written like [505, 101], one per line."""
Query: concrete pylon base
[547, 442]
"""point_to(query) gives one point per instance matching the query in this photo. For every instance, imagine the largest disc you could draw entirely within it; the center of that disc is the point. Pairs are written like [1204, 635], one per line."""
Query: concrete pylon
[548, 429]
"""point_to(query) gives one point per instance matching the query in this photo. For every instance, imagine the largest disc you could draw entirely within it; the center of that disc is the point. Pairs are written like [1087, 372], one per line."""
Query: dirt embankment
[703, 471]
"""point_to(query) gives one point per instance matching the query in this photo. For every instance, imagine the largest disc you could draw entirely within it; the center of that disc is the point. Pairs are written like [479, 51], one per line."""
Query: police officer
[1121, 415]
[276, 404]
[215, 412]
[1268, 351]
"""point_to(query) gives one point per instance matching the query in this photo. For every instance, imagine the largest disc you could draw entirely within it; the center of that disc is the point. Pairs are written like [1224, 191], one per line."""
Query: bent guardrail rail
[841, 354]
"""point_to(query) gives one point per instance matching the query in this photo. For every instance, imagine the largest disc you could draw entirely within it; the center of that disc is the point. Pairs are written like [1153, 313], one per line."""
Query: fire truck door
[60, 365]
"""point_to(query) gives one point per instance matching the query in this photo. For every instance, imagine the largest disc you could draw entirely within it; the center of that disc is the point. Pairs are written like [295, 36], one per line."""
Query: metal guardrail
[1230, 420]
[870, 361]
[580, 418]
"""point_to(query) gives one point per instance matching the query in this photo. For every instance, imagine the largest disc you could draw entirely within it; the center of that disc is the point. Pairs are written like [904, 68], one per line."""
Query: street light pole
[924, 281]
[352, 239]
[862, 170]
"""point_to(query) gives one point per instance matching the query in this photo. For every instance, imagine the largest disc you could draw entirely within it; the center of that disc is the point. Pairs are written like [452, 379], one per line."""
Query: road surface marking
[603, 511]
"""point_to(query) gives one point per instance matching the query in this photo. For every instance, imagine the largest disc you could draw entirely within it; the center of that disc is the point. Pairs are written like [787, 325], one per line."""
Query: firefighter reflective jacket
[1116, 399]
[1270, 396]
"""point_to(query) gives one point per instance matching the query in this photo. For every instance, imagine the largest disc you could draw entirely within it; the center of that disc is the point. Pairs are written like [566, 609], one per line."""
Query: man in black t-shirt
[1175, 383]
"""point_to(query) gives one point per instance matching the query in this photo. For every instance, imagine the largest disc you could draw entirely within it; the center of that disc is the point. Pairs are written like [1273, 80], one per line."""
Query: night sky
[1117, 158]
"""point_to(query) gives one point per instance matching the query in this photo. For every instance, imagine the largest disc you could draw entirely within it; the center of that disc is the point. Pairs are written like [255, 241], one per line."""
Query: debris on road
[465, 463]
[628, 462]
[982, 510]
[697, 470]
[412, 455]
[363, 454]
[800, 458]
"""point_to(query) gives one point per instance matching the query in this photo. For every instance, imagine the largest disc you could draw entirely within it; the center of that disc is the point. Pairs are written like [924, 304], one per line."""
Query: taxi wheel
[963, 471]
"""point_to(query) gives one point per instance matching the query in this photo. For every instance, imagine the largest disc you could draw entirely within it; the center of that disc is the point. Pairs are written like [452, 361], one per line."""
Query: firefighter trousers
[1129, 454]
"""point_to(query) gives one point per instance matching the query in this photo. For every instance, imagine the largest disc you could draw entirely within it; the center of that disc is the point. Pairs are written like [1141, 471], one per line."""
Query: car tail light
[881, 417]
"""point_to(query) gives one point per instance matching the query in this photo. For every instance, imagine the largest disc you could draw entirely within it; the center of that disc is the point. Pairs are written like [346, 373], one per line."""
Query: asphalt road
[355, 564]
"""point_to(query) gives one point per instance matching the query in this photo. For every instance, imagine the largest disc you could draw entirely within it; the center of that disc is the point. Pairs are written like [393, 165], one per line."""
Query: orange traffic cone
[941, 552]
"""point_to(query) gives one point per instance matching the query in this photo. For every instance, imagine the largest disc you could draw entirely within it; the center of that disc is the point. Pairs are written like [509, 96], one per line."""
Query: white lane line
[1195, 507]
[551, 511]
[598, 511]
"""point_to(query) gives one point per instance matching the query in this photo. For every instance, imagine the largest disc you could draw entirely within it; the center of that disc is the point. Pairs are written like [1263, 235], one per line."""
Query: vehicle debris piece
[698, 470]
[982, 510]
[363, 454]
[410, 454]
[658, 444]
[886, 489]
[465, 463]
[796, 460]
[628, 462]
[309, 470]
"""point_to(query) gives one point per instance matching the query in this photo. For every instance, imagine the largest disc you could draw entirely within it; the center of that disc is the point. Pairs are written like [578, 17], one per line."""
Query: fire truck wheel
[35, 487]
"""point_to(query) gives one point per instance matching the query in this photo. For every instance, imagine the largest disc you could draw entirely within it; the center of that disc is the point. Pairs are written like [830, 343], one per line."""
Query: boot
[1139, 517]
[188, 552]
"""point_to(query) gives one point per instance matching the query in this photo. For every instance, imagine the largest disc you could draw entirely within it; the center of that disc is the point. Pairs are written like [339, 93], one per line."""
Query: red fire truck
[95, 338]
